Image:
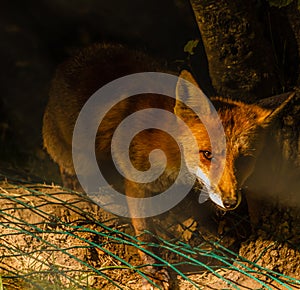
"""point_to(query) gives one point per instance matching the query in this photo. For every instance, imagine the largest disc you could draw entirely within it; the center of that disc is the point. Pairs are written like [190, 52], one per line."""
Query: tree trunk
[241, 58]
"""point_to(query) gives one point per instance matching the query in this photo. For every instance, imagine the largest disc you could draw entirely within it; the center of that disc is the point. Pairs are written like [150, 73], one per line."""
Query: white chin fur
[216, 199]
[206, 182]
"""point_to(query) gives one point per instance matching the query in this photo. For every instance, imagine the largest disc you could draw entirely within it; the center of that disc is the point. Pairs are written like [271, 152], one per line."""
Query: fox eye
[207, 154]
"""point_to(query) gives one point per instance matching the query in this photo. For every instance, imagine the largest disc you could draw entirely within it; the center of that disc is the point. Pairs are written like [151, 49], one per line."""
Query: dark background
[37, 35]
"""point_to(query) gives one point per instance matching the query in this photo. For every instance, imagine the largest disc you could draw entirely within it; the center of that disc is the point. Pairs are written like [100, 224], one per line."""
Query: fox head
[244, 126]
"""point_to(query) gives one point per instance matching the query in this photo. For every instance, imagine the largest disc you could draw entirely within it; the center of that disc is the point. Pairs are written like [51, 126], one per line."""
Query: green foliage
[190, 46]
[282, 3]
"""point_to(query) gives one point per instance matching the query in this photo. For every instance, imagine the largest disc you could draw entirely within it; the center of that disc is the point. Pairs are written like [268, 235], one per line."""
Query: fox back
[246, 126]
[74, 82]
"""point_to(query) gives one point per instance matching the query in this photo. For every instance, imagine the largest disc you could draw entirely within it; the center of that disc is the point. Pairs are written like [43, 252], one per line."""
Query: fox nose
[230, 203]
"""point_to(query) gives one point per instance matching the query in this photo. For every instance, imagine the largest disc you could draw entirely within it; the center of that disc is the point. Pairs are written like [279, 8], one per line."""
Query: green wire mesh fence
[51, 238]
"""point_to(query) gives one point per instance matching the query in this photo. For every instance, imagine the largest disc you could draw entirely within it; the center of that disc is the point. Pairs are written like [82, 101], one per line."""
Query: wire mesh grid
[52, 238]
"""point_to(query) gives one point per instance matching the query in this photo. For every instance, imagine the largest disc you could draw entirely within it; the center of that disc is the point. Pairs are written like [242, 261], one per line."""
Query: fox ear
[272, 107]
[189, 94]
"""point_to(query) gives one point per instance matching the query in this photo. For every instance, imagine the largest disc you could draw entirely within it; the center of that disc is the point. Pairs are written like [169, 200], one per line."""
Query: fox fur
[246, 127]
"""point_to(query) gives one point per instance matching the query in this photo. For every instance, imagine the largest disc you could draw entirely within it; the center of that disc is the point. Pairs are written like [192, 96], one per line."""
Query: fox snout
[226, 201]
[229, 191]
[232, 202]
[225, 194]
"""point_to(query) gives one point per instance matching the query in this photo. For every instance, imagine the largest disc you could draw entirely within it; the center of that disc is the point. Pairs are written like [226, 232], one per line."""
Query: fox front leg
[143, 228]
[158, 275]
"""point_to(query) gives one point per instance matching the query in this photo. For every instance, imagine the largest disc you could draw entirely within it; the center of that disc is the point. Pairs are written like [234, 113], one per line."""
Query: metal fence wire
[53, 238]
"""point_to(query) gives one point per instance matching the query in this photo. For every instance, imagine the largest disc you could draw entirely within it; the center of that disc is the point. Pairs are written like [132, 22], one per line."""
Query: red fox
[246, 128]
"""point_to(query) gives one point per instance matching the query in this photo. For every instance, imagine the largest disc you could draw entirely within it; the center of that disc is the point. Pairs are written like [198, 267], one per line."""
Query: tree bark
[241, 58]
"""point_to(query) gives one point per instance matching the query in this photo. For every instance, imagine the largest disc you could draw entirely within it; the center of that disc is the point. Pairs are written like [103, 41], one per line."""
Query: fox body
[246, 128]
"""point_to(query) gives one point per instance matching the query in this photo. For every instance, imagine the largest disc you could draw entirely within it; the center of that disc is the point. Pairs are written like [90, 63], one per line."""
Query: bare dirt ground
[51, 238]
